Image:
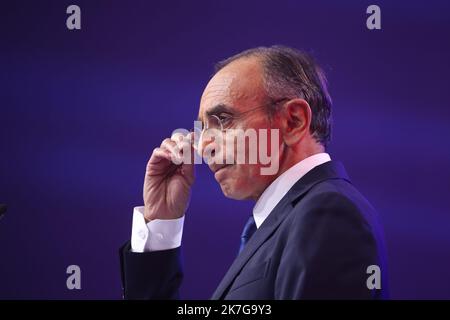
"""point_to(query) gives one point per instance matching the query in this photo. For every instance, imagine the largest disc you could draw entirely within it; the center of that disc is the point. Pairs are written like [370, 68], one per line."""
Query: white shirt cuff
[156, 235]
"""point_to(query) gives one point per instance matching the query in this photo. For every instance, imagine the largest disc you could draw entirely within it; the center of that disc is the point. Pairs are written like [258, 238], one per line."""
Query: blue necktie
[249, 230]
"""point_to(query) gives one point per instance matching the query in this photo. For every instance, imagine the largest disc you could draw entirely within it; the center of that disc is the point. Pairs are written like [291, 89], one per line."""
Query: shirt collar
[282, 184]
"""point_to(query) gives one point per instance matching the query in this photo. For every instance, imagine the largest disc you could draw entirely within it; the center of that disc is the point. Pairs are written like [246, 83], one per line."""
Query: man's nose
[206, 143]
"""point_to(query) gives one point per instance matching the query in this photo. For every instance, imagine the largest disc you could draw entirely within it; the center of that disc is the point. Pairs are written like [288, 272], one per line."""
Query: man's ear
[295, 121]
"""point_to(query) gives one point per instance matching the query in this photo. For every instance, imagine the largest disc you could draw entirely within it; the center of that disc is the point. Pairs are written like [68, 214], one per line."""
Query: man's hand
[168, 179]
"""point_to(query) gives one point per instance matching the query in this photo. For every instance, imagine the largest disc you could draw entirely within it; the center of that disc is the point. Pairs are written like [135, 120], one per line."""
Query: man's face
[236, 94]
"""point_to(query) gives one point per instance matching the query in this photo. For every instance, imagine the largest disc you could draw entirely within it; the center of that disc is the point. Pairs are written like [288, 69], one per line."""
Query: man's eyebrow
[219, 108]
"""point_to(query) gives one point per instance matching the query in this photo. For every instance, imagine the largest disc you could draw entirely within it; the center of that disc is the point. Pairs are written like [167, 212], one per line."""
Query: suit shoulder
[336, 194]
[335, 202]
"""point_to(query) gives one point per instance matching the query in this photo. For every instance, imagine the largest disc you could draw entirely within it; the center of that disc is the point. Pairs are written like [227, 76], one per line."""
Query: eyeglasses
[224, 121]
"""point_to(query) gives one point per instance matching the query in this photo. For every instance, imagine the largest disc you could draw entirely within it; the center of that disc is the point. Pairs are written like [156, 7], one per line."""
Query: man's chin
[230, 192]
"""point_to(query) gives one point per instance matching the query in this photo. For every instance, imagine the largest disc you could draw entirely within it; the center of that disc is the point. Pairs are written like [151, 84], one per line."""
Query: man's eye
[224, 117]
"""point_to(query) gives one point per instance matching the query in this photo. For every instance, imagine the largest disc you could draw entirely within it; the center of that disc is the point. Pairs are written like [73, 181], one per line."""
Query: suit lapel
[259, 237]
[329, 170]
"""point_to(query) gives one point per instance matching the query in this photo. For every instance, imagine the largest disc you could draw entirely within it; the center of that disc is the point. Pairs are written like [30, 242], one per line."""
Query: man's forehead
[220, 87]
[237, 83]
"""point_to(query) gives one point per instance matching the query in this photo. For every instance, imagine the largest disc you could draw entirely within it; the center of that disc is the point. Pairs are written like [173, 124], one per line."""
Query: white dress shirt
[281, 185]
[166, 234]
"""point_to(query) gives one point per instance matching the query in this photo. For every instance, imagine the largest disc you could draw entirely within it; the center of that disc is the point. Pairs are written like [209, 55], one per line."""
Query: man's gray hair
[291, 73]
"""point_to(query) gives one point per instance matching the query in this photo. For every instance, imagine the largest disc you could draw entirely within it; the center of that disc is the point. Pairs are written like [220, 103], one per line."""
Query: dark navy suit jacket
[317, 243]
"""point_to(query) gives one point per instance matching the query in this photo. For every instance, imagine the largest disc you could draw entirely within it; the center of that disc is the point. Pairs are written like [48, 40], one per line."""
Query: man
[312, 235]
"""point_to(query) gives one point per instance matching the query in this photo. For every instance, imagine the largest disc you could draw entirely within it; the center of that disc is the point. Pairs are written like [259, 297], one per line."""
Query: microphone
[3, 209]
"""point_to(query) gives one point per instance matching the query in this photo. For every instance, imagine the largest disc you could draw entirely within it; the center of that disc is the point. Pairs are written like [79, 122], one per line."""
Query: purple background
[82, 110]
